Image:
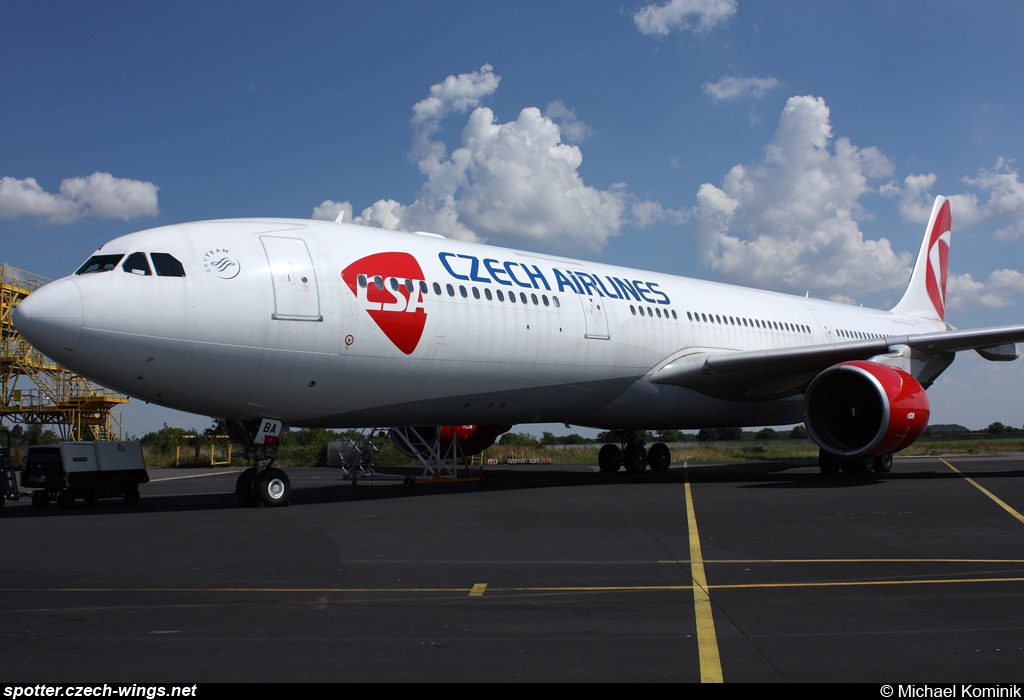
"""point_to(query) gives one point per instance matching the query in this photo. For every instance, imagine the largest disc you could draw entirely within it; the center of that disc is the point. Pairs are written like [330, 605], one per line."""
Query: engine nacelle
[864, 409]
[472, 439]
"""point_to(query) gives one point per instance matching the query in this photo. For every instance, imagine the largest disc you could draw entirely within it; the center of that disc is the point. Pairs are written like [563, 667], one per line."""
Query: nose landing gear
[262, 484]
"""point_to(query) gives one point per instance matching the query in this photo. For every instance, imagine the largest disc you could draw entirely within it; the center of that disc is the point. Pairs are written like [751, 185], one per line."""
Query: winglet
[926, 295]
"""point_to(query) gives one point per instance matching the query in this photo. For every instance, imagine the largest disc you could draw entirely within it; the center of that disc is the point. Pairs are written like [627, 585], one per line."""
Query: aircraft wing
[759, 375]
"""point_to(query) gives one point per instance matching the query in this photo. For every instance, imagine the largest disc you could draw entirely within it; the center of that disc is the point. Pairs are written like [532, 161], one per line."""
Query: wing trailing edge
[761, 375]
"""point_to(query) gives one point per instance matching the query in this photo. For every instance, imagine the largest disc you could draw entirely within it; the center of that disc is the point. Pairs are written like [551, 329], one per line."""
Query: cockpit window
[166, 265]
[99, 263]
[136, 264]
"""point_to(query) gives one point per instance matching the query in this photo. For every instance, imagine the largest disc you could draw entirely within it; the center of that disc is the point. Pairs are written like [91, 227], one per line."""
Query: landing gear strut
[263, 483]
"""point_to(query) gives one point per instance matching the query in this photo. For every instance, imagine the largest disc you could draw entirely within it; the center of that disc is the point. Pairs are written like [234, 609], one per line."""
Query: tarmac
[756, 571]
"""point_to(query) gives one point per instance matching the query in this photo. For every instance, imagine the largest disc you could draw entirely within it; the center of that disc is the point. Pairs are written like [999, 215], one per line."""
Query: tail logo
[938, 260]
[387, 287]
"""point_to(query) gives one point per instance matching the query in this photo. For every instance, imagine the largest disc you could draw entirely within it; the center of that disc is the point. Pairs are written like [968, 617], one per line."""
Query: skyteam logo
[387, 286]
[220, 263]
[938, 260]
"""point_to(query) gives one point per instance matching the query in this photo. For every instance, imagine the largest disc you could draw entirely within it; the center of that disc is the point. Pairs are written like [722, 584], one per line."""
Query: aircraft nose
[51, 318]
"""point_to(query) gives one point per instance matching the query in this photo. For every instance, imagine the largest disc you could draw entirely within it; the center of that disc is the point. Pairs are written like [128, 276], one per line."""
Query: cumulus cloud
[731, 87]
[998, 197]
[963, 291]
[699, 15]
[509, 182]
[789, 221]
[328, 210]
[99, 195]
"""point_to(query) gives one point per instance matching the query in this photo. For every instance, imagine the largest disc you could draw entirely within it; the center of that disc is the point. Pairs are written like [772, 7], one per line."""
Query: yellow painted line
[194, 476]
[849, 584]
[1002, 504]
[707, 639]
[478, 590]
[849, 561]
[536, 589]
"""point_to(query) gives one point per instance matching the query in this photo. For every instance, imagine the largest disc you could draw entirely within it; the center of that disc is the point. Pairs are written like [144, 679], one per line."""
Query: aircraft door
[823, 324]
[596, 317]
[296, 295]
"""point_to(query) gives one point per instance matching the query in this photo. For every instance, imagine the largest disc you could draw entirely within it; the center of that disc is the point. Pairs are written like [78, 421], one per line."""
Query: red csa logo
[385, 286]
[938, 260]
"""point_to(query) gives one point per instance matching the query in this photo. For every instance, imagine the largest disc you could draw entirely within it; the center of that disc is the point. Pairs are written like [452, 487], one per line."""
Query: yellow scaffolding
[198, 442]
[77, 408]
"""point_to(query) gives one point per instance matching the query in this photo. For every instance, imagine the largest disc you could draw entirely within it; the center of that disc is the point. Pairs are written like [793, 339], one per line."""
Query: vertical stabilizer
[926, 295]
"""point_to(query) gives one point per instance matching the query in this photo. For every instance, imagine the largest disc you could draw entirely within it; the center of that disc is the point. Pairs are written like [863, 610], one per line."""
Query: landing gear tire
[659, 457]
[273, 488]
[65, 499]
[244, 487]
[882, 464]
[609, 459]
[828, 462]
[635, 459]
[40, 499]
[131, 496]
[856, 465]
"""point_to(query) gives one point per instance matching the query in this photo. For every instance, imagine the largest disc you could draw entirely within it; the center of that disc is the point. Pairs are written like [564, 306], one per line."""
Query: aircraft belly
[647, 406]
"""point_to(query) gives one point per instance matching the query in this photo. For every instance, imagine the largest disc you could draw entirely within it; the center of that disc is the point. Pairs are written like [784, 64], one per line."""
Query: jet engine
[418, 441]
[864, 409]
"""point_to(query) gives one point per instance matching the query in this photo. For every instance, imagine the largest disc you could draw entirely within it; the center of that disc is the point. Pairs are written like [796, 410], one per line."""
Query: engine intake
[864, 409]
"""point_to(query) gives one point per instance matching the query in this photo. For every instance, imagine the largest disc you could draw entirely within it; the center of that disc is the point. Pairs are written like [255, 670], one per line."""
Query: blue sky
[793, 145]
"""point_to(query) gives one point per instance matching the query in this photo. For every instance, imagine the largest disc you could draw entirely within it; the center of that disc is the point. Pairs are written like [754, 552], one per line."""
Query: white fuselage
[284, 319]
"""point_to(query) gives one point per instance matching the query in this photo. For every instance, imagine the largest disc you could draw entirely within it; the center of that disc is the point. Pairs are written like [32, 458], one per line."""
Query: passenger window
[136, 264]
[99, 263]
[437, 289]
[166, 265]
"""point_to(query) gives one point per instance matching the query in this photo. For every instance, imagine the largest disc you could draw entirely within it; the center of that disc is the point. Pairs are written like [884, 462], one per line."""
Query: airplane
[304, 323]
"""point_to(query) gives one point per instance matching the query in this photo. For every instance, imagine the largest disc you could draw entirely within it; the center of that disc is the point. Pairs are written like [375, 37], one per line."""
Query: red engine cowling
[472, 439]
[864, 409]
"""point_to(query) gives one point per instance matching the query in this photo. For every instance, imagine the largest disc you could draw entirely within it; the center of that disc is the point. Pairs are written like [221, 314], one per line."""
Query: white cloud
[700, 15]
[98, 195]
[514, 182]
[328, 210]
[789, 221]
[1001, 199]
[731, 87]
[962, 291]
[572, 128]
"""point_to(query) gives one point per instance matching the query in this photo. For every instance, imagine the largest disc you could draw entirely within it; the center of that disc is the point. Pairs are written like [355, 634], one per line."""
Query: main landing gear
[830, 463]
[633, 456]
[262, 484]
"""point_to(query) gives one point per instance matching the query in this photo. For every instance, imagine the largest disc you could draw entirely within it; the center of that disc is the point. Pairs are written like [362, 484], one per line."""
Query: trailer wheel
[131, 496]
[40, 499]
[65, 499]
